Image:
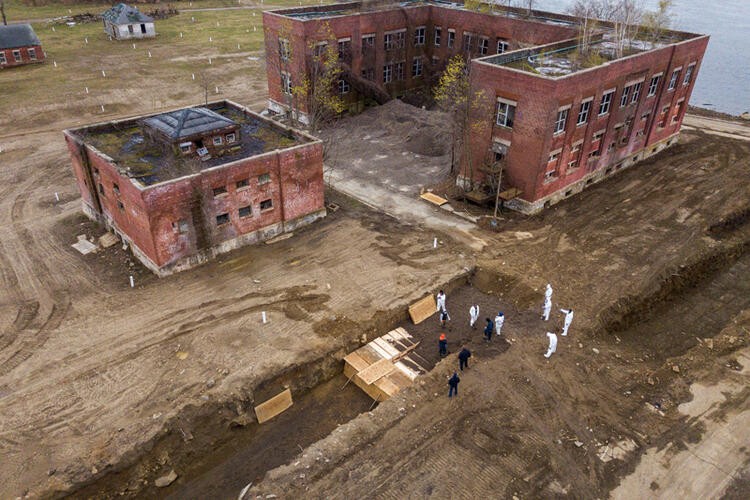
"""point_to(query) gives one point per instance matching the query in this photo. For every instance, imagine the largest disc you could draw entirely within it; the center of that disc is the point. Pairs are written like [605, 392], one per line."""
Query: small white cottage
[123, 22]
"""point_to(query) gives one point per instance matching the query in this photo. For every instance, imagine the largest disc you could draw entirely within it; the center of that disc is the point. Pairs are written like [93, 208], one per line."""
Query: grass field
[156, 74]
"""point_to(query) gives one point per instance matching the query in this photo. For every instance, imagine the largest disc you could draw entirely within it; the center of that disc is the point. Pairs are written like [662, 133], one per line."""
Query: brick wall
[25, 54]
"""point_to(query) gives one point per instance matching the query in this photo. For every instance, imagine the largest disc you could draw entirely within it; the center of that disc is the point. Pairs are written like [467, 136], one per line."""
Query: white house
[123, 22]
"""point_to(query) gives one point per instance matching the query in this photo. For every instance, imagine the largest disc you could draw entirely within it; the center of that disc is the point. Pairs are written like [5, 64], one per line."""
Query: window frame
[248, 209]
[437, 35]
[217, 140]
[420, 36]
[451, 38]
[344, 86]
[561, 120]
[31, 51]
[689, 71]
[284, 50]
[267, 208]
[586, 102]
[17, 55]
[416, 67]
[223, 219]
[368, 42]
[242, 184]
[286, 83]
[264, 178]
[219, 191]
[674, 78]
[503, 44]
[388, 73]
[606, 100]
[509, 114]
[231, 137]
[484, 45]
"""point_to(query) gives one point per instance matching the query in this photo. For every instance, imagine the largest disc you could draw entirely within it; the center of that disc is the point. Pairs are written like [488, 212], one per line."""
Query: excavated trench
[216, 449]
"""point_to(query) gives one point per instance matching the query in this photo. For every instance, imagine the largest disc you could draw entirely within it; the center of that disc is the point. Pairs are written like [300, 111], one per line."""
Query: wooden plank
[509, 194]
[402, 333]
[422, 309]
[434, 199]
[375, 371]
[386, 346]
[387, 386]
[277, 404]
[402, 368]
[354, 364]
[369, 354]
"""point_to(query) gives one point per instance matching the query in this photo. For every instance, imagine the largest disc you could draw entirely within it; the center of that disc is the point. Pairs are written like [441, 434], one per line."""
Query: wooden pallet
[422, 309]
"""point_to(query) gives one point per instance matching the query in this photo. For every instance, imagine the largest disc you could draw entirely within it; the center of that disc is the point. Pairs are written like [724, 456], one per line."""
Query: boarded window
[222, 219]
[266, 205]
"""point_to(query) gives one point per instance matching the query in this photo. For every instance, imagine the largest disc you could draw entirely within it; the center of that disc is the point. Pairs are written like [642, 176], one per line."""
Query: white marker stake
[87, 89]
[263, 315]
[193, 76]
[55, 63]
[180, 34]
[104, 75]
[255, 28]
[53, 28]
[210, 39]
[102, 108]
[238, 46]
[132, 282]
[217, 90]
[192, 19]
[133, 46]
[149, 53]
[209, 60]
[217, 24]
[434, 243]
[86, 39]
[57, 197]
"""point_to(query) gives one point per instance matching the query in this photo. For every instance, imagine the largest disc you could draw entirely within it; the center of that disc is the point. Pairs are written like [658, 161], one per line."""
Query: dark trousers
[443, 349]
[463, 363]
[453, 390]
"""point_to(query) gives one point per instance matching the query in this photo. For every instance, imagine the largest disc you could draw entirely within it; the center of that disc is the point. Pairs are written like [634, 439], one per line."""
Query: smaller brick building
[19, 45]
[183, 186]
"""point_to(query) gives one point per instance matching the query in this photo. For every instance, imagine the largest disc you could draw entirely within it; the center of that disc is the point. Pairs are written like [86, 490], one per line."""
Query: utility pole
[497, 193]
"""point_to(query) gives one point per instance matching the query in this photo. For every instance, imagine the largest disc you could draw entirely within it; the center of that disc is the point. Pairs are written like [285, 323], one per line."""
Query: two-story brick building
[552, 118]
[183, 186]
[19, 45]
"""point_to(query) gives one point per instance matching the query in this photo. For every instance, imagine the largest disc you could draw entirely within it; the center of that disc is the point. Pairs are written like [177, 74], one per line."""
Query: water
[724, 79]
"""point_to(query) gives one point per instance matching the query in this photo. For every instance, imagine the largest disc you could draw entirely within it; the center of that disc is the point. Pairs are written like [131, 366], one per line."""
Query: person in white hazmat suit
[568, 320]
[440, 301]
[547, 303]
[473, 315]
[499, 320]
[552, 344]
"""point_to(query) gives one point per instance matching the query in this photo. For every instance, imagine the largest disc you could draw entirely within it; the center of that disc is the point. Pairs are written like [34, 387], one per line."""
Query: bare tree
[2, 11]
[656, 22]
[624, 16]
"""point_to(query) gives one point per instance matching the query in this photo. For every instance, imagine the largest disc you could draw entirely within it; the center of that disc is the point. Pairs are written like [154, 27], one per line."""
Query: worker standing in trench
[568, 320]
[547, 302]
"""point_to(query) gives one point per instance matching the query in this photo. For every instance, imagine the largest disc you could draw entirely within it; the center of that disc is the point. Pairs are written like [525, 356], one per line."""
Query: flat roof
[151, 163]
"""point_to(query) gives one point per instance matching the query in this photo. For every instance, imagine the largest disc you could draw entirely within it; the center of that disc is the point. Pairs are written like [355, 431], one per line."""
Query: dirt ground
[659, 269]
[105, 388]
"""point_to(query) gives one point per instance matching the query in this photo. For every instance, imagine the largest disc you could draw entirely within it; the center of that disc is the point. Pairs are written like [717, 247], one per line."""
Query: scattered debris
[166, 480]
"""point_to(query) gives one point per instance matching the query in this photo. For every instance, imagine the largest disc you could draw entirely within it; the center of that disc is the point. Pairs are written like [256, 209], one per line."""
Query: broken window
[264, 179]
[368, 42]
[116, 188]
[120, 206]
[286, 83]
[625, 96]
[368, 74]
[583, 113]
[32, 54]
[416, 67]
[130, 29]
[242, 183]
[689, 74]
[468, 41]
[388, 42]
[345, 49]
[17, 55]
[180, 226]
[283, 49]
[387, 73]
[266, 205]
[231, 137]
[561, 120]
[673, 80]
[419, 36]
[653, 85]
[218, 140]
[320, 49]
[400, 70]
[218, 191]
[484, 45]
[438, 35]
[451, 38]
[596, 143]
[636, 93]
[502, 45]
[245, 211]
[678, 111]
[400, 39]
[506, 111]
[606, 102]
[222, 219]
[343, 86]
[101, 189]
[3, 60]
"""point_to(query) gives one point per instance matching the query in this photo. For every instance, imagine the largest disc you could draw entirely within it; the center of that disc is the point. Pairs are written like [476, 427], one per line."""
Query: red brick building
[224, 178]
[553, 120]
[19, 45]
